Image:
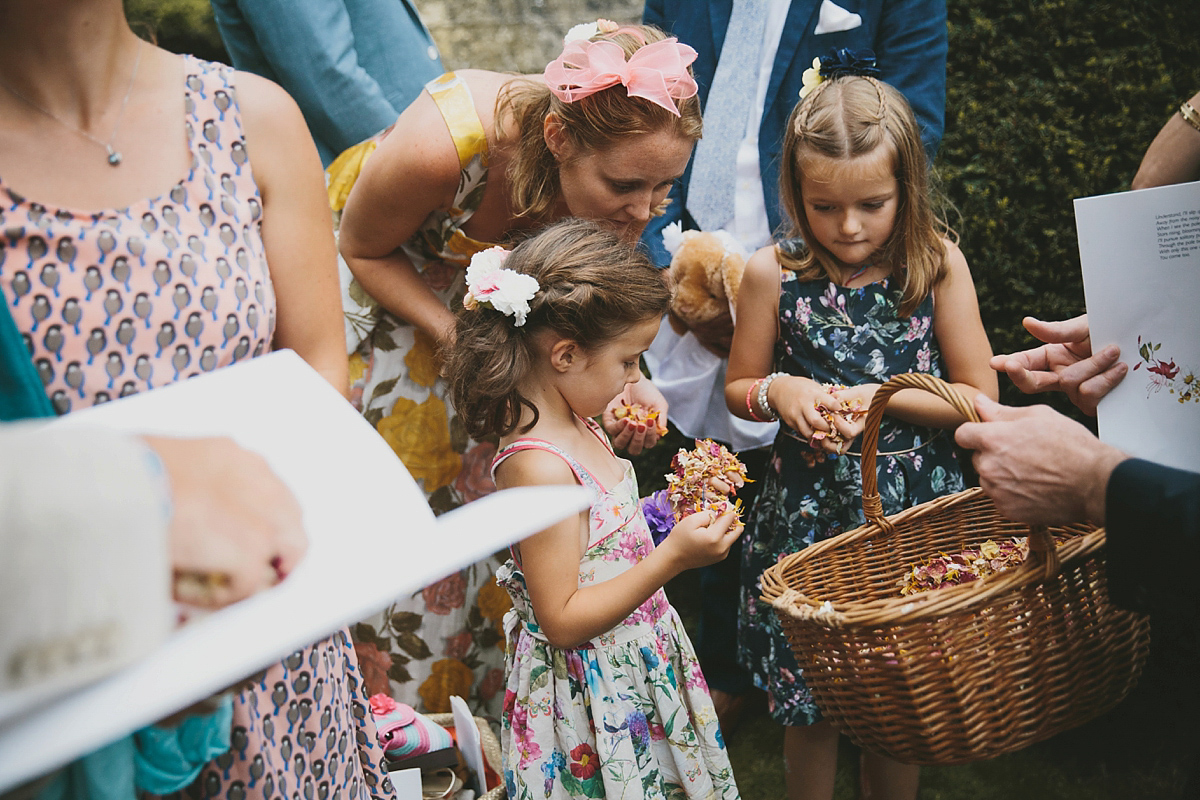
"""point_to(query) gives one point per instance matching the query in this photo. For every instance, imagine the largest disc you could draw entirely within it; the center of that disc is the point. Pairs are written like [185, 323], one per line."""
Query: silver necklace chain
[114, 157]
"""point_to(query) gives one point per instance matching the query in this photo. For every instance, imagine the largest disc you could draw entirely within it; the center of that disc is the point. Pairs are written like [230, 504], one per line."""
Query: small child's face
[605, 372]
[850, 204]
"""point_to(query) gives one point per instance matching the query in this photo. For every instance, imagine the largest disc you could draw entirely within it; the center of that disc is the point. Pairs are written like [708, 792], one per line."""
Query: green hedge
[1048, 100]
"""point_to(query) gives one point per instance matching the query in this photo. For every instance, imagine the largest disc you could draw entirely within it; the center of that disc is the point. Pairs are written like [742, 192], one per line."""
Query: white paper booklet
[1140, 253]
[372, 538]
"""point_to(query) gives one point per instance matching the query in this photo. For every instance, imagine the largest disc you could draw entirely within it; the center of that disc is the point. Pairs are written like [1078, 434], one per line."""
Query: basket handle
[1041, 542]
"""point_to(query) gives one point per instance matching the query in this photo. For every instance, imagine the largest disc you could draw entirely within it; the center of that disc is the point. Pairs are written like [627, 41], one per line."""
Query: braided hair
[592, 288]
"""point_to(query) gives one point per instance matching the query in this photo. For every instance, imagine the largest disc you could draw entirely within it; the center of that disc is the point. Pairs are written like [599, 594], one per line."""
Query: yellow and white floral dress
[448, 638]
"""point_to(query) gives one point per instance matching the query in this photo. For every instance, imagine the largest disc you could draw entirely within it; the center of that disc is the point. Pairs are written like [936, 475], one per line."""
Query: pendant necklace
[114, 157]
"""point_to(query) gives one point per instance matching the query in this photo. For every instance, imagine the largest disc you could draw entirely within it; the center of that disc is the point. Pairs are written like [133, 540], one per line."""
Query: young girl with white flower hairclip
[604, 694]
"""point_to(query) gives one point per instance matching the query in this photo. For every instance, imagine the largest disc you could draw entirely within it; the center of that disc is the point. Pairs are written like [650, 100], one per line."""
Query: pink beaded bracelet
[750, 403]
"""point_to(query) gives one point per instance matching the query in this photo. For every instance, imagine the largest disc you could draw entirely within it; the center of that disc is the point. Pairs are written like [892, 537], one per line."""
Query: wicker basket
[961, 673]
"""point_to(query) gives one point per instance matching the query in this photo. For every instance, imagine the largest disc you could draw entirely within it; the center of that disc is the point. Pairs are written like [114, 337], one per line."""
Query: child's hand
[798, 401]
[703, 538]
[851, 416]
[727, 484]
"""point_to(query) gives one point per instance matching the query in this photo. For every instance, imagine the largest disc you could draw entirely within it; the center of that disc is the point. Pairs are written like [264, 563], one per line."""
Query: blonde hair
[849, 117]
[592, 123]
[592, 287]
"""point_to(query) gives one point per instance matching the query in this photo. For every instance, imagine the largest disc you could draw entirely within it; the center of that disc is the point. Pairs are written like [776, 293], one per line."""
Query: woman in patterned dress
[164, 217]
[481, 158]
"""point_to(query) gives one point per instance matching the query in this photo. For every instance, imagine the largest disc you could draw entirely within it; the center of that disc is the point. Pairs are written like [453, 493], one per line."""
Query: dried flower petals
[849, 411]
[968, 565]
[689, 486]
[640, 415]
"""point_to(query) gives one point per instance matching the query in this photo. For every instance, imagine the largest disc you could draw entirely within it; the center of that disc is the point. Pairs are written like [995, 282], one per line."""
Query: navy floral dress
[833, 334]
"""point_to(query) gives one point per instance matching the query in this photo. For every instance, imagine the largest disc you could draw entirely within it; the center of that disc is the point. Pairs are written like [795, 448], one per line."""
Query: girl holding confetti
[820, 327]
[604, 694]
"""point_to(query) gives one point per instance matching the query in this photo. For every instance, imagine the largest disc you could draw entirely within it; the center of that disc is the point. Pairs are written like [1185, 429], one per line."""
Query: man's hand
[1038, 466]
[1064, 364]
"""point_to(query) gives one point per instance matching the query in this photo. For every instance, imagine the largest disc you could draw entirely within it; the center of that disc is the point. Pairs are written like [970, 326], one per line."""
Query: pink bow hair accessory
[657, 72]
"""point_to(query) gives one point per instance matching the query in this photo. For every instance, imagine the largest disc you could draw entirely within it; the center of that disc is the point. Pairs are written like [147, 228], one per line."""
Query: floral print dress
[625, 715]
[446, 639]
[834, 334]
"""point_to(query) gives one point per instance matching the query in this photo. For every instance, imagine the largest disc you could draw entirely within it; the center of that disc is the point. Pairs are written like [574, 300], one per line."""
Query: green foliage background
[1048, 100]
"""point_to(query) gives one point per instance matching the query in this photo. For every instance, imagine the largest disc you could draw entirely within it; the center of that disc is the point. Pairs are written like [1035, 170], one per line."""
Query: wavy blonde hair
[592, 123]
[846, 118]
[592, 287]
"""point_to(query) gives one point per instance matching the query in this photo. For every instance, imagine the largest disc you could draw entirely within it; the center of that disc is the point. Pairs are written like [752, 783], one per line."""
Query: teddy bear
[706, 269]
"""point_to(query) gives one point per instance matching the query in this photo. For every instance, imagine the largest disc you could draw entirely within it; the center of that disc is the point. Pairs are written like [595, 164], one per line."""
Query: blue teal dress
[834, 334]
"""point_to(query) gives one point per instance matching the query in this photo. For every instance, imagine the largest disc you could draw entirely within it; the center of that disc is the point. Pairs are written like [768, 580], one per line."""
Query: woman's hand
[702, 538]
[236, 529]
[626, 434]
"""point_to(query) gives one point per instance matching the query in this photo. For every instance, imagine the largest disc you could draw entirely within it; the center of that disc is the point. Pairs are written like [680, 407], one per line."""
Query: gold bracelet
[1189, 114]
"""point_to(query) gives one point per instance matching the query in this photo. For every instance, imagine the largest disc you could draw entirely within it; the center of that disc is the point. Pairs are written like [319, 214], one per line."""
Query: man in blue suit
[909, 40]
[351, 65]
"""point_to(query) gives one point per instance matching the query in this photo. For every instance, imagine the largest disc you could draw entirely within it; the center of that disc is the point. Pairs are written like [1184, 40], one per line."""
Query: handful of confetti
[963, 567]
[849, 412]
[640, 415]
[689, 485]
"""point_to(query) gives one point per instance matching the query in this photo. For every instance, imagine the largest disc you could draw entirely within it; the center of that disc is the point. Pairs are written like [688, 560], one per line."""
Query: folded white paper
[372, 538]
[1140, 253]
[833, 18]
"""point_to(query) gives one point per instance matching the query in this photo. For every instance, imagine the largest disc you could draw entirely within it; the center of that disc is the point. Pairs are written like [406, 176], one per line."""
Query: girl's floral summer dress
[625, 715]
[834, 334]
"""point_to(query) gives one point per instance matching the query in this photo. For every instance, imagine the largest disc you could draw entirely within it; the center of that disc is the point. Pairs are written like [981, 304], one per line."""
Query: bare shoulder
[418, 151]
[762, 270]
[534, 467]
[955, 260]
[265, 107]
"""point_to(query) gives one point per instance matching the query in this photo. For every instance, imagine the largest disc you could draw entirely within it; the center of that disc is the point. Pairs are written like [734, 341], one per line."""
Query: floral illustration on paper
[1164, 373]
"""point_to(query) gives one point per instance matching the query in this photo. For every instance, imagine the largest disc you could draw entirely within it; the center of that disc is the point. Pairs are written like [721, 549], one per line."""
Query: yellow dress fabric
[440, 641]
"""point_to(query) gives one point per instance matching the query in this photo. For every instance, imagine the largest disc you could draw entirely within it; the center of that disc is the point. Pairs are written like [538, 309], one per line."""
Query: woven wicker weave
[962, 673]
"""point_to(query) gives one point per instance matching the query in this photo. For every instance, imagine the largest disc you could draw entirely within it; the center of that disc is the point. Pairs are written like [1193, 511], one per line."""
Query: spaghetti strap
[582, 474]
[600, 434]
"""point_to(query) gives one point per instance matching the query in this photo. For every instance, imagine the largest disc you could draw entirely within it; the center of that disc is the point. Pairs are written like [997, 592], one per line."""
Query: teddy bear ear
[734, 268]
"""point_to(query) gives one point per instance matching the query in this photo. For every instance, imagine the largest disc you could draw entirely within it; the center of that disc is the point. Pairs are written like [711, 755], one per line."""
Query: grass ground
[1136, 752]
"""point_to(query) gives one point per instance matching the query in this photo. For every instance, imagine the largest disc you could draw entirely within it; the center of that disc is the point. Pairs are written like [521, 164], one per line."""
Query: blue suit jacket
[351, 65]
[909, 40]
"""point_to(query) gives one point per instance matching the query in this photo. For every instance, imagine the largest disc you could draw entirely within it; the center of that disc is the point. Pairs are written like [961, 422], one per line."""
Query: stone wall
[512, 35]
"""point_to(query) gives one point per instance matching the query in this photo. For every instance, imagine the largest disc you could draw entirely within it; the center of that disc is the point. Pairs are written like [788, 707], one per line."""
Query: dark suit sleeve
[910, 46]
[1152, 515]
[654, 13]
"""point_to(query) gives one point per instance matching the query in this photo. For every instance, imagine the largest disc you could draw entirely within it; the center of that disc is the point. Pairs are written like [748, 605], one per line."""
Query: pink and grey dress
[120, 301]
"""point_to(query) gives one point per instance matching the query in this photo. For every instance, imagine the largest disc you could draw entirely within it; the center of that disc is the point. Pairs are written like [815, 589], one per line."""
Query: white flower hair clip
[584, 31]
[490, 284]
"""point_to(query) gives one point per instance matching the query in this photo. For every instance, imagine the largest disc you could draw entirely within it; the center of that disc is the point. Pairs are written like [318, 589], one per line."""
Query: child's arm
[966, 352]
[570, 615]
[753, 352]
